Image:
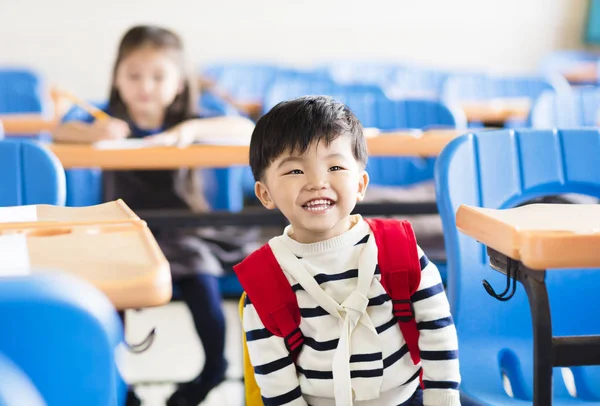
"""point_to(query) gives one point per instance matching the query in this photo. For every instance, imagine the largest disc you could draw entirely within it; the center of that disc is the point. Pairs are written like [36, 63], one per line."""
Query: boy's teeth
[318, 202]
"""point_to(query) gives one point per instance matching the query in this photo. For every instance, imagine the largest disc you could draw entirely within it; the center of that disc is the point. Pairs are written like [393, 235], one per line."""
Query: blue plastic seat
[62, 333]
[362, 72]
[16, 389]
[409, 114]
[501, 169]
[22, 90]
[560, 61]
[417, 82]
[30, 174]
[475, 87]
[580, 107]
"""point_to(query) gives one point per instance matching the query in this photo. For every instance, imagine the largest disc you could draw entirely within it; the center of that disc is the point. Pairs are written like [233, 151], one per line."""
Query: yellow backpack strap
[252, 390]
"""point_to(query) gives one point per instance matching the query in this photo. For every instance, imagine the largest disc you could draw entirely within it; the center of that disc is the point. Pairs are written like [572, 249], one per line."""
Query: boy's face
[316, 191]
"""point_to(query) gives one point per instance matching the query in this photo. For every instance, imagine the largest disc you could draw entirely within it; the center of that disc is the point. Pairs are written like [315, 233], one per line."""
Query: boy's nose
[317, 184]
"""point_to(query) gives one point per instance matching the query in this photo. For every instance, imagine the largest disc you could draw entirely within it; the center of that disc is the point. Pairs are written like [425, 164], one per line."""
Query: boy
[308, 157]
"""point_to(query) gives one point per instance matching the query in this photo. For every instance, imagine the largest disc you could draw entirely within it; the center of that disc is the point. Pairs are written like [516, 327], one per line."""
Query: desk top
[497, 110]
[404, 143]
[107, 245]
[44, 215]
[582, 73]
[122, 260]
[541, 236]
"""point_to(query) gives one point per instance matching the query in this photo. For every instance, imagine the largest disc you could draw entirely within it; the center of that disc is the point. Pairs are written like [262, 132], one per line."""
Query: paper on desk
[18, 214]
[14, 255]
[134, 143]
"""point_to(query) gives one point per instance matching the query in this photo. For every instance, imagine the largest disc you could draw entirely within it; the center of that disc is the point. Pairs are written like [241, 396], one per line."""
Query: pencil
[89, 108]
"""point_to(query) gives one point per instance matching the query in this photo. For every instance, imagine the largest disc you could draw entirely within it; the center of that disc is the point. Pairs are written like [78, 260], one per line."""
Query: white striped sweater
[333, 264]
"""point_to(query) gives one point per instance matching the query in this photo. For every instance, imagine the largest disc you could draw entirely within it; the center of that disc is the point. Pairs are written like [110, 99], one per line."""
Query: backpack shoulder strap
[271, 295]
[398, 261]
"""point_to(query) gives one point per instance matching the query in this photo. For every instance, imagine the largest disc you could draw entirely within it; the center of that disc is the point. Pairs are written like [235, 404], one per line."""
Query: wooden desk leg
[543, 360]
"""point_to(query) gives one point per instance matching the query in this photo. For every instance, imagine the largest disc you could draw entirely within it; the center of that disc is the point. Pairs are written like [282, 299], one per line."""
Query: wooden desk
[116, 253]
[522, 243]
[497, 111]
[26, 124]
[409, 143]
[582, 73]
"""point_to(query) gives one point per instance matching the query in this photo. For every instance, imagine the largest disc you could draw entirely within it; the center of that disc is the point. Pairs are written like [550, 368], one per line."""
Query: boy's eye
[158, 78]
[295, 172]
[335, 168]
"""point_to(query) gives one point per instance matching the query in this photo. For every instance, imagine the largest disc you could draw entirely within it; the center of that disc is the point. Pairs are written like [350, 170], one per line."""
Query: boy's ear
[261, 191]
[363, 182]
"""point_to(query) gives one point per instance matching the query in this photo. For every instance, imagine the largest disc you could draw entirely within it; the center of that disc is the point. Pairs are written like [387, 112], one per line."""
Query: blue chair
[362, 72]
[22, 90]
[502, 169]
[579, 107]
[409, 113]
[560, 61]
[16, 389]
[474, 87]
[416, 81]
[30, 174]
[63, 333]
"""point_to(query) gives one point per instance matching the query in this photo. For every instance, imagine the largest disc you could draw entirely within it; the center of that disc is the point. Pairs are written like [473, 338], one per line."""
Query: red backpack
[271, 294]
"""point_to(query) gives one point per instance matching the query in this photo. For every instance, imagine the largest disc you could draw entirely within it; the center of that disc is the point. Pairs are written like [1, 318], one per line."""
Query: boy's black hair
[292, 126]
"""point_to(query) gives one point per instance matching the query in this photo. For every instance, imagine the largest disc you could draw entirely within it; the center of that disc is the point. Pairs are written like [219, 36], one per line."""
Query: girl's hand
[110, 129]
[179, 136]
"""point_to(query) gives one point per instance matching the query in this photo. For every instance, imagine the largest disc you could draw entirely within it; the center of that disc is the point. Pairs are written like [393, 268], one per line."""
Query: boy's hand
[110, 129]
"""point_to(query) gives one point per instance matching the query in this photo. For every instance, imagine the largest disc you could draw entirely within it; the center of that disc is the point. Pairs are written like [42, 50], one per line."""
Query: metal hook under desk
[511, 273]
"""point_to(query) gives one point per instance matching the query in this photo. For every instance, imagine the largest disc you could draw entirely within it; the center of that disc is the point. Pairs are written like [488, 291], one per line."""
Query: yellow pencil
[89, 108]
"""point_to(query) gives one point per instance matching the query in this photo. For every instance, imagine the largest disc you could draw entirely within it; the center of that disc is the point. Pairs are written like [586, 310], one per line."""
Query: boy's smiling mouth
[319, 205]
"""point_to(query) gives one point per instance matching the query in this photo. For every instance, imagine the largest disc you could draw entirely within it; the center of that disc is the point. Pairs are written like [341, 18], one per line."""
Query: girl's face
[148, 81]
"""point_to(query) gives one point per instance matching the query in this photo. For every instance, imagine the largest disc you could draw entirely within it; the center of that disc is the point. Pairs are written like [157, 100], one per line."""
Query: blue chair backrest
[417, 82]
[472, 87]
[245, 82]
[16, 389]
[23, 91]
[502, 169]
[560, 61]
[30, 174]
[362, 72]
[405, 114]
[579, 107]
[63, 334]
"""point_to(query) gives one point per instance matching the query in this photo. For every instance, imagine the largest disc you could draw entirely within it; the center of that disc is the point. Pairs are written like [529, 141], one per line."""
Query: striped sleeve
[274, 369]
[438, 342]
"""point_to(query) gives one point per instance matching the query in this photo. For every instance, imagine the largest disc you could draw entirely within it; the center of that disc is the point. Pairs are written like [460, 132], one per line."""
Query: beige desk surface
[497, 110]
[107, 244]
[541, 236]
[585, 72]
[16, 124]
[406, 143]
[122, 260]
[43, 215]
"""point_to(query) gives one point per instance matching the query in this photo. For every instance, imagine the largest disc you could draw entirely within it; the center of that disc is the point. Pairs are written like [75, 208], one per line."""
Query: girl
[152, 97]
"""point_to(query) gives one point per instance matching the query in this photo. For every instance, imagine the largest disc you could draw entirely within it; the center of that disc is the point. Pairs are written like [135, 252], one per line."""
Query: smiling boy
[347, 344]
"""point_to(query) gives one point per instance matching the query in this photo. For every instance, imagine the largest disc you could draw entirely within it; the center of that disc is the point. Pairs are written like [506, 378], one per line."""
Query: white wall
[73, 42]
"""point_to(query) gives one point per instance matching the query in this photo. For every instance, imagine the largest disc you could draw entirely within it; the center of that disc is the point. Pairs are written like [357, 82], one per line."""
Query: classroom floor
[176, 354]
